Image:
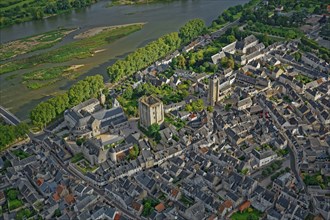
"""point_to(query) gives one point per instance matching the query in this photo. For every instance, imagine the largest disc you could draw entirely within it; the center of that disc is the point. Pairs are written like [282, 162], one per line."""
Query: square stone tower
[151, 111]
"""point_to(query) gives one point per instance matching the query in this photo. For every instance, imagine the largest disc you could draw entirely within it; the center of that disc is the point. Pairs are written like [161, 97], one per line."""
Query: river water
[160, 18]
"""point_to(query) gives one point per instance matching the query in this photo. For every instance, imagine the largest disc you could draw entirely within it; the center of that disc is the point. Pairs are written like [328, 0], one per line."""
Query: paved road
[9, 117]
[293, 165]
[267, 181]
[222, 30]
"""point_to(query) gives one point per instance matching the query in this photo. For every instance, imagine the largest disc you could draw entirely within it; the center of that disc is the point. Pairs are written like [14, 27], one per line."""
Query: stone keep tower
[151, 111]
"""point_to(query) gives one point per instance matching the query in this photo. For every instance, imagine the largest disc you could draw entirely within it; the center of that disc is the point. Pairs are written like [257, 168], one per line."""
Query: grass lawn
[84, 166]
[77, 158]
[249, 214]
[76, 50]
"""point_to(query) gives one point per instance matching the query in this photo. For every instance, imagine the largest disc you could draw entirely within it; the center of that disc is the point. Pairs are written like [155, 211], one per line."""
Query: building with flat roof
[151, 111]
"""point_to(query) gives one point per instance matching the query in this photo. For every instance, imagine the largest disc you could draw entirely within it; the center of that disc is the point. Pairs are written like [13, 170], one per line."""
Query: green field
[33, 43]
[17, 11]
[76, 50]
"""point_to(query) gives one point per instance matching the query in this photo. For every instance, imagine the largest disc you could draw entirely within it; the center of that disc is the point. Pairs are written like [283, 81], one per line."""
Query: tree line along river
[160, 18]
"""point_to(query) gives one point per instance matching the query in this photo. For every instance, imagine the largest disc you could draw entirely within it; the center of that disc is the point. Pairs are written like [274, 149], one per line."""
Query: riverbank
[135, 2]
[19, 11]
[80, 49]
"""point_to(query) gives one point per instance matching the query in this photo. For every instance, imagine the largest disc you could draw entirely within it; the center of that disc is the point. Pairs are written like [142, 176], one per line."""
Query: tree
[297, 56]
[85, 89]
[197, 105]
[77, 4]
[37, 13]
[265, 39]
[181, 62]
[57, 213]
[230, 38]
[134, 152]
[210, 109]
[63, 4]
[154, 128]
[12, 194]
[10, 133]
[60, 103]
[153, 131]
[227, 62]
[42, 114]
[192, 29]
[319, 179]
[230, 63]
[132, 110]
[143, 57]
[128, 93]
[189, 108]
[245, 171]
[224, 61]
[51, 8]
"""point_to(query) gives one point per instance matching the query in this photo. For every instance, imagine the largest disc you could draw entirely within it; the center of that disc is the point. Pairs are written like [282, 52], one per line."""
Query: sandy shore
[75, 67]
[96, 30]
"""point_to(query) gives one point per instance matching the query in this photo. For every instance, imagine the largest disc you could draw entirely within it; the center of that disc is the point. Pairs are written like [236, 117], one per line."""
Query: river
[160, 18]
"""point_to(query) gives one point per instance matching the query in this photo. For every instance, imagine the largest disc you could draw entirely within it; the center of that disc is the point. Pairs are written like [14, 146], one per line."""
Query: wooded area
[155, 50]
[10, 133]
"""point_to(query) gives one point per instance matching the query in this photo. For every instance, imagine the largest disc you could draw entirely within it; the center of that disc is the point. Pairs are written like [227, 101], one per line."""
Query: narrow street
[101, 193]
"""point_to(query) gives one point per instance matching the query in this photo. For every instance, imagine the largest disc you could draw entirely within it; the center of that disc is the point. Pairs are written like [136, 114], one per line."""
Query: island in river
[84, 47]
